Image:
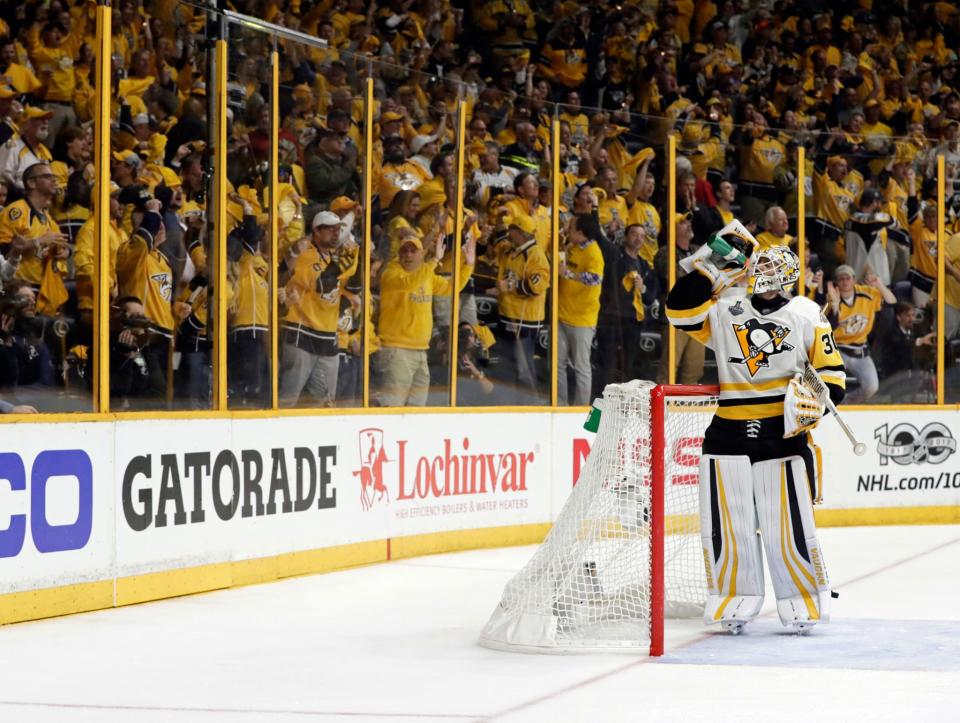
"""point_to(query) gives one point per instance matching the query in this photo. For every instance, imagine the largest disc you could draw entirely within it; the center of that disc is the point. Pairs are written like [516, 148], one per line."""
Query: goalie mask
[773, 269]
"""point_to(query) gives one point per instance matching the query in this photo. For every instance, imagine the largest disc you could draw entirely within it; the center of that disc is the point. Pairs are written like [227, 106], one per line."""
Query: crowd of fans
[869, 91]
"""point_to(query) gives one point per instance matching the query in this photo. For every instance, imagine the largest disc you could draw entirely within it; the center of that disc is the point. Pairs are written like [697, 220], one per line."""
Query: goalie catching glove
[802, 410]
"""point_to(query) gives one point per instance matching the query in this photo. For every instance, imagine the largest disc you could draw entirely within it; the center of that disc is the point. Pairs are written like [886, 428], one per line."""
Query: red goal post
[625, 552]
[659, 454]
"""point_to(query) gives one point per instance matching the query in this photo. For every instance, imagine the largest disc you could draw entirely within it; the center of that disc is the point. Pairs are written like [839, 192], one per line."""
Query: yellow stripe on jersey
[690, 316]
[786, 545]
[838, 378]
[751, 411]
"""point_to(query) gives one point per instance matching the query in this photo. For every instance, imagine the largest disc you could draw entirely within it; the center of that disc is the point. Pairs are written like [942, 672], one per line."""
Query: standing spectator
[408, 288]
[690, 353]
[331, 169]
[923, 235]
[896, 355]
[852, 312]
[523, 277]
[53, 55]
[581, 275]
[314, 273]
[760, 155]
[629, 286]
[866, 237]
[144, 275]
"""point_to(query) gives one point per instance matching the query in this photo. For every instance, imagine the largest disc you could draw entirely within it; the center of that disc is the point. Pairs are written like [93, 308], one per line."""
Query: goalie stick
[812, 379]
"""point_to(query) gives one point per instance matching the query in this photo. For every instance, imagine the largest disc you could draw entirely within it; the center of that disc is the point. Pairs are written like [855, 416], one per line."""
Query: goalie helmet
[773, 269]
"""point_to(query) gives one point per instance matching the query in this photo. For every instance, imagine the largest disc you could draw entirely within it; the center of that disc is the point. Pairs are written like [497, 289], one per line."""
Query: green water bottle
[592, 423]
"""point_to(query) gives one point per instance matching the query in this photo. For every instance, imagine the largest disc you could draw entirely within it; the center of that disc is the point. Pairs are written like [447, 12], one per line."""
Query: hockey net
[625, 550]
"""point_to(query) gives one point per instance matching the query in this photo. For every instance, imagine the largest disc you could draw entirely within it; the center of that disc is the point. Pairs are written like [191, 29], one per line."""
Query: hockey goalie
[759, 471]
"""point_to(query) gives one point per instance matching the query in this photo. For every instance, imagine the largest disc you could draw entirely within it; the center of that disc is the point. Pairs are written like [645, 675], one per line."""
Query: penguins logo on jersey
[758, 342]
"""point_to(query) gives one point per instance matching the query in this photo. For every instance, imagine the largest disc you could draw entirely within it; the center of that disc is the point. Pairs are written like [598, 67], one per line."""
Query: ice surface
[397, 642]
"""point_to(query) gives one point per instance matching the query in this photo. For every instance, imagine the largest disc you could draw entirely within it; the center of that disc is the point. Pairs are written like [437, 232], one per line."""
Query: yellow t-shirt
[579, 302]
[406, 303]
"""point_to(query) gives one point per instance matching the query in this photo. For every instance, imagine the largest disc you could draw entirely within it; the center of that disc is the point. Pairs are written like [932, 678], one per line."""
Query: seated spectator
[896, 349]
[474, 387]
[27, 149]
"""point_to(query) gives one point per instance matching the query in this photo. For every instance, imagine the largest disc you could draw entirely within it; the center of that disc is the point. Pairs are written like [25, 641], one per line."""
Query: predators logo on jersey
[758, 342]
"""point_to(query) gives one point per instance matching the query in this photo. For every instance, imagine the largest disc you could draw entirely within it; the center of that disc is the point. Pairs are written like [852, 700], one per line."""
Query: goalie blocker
[759, 469]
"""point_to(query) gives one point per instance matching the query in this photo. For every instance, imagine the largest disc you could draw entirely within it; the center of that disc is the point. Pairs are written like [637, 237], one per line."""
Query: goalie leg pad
[728, 530]
[785, 511]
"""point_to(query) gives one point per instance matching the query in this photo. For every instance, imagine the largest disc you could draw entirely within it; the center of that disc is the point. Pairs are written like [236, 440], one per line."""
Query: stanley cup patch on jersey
[758, 342]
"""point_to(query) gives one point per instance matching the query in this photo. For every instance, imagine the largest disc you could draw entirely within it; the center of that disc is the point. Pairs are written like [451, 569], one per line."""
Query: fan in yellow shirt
[581, 276]
[407, 289]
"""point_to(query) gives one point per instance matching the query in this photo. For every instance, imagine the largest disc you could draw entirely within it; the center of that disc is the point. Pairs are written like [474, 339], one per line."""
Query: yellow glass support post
[555, 260]
[941, 276]
[101, 163]
[220, 231]
[671, 250]
[274, 228]
[801, 216]
[457, 242]
[367, 235]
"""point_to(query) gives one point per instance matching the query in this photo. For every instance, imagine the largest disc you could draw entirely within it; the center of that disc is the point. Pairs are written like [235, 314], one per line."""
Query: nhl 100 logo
[905, 444]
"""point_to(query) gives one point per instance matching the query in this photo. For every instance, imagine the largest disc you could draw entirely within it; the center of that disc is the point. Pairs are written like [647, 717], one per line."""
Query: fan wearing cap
[86, 249]
[852, 309]
[28, 232]
[523, 278]
[19, 153]
[424, 149]
[314, 273]
[408, 289]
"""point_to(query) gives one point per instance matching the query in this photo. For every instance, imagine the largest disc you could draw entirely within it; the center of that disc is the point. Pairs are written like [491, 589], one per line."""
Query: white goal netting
[588, 587]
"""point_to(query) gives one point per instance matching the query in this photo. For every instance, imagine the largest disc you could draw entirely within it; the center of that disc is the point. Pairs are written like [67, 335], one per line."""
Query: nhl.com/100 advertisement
[911, 460]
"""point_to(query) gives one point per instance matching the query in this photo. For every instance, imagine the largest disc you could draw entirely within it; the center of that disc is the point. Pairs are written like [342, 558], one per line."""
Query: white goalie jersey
[757, 353]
